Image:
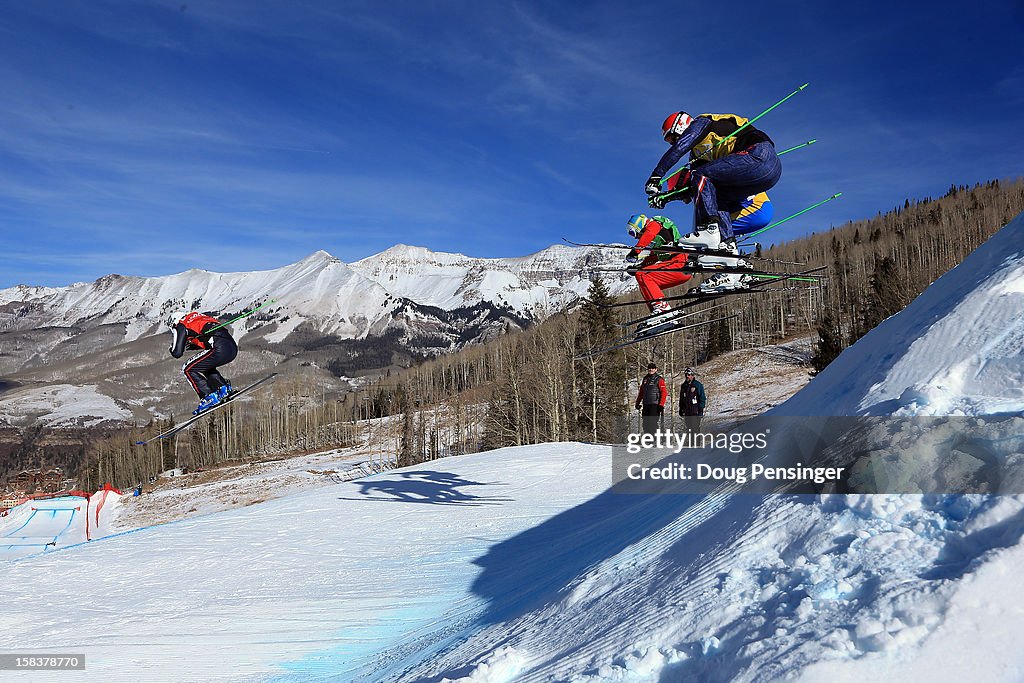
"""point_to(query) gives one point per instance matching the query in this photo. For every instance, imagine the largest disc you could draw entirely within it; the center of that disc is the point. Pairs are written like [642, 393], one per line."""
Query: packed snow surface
[306, 583]
[519, 564]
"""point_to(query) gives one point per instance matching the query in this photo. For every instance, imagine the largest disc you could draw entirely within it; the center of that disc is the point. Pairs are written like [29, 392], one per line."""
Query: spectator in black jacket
[691, 401]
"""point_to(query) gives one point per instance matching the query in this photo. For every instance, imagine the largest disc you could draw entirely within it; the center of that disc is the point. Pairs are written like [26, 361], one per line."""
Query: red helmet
[675, 124]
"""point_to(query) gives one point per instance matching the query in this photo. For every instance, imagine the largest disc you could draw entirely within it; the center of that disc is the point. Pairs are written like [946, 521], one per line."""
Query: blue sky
[150, 137]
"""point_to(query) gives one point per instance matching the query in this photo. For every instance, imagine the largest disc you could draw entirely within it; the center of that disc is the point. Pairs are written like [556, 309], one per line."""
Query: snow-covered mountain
[531, 285]
[334, 298]
[319, 289]
[521, 565]
[400, 304]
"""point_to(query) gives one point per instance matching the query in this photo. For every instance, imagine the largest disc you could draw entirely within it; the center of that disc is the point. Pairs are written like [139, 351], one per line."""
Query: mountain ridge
[392, 308]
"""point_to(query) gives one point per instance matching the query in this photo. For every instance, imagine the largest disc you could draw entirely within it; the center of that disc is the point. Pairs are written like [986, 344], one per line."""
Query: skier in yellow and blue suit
[755, 212]
[730, 162]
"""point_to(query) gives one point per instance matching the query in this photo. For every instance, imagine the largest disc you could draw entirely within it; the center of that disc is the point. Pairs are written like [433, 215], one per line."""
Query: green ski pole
[777, 223]
[244, 315]
[795, 147]
[801, 279]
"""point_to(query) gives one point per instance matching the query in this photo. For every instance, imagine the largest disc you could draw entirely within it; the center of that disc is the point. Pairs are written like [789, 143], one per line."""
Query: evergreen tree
[719, 339]
[829, 344]
[407, 454]
[603, 378]
[887, 295]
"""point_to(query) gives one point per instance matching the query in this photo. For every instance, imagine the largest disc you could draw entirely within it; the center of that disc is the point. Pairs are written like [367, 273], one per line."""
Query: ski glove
[653, 185]
[633, 256]
[656, 201]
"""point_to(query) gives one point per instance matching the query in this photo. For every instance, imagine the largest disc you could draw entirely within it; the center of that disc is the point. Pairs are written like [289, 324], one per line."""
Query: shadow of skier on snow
[437, 488]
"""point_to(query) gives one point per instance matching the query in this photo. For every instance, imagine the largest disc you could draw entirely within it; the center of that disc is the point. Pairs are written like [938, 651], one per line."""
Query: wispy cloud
[148, 137]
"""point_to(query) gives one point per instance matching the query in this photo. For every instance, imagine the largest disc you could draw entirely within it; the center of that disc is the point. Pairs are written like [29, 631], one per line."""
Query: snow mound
[41, 525]
[958, 349]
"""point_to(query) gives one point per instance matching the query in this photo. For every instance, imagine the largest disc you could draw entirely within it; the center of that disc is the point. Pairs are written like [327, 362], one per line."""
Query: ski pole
[691, 271]
[777, 223]
[798, 279]
[795, 147]
[683, 189]
[732, 134]
[244, 315]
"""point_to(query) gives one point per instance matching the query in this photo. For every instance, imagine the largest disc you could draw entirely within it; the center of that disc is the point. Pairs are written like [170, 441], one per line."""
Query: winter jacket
[652, 391]
[691, 398]
[195, 331]
[701, 139]
[660, 231]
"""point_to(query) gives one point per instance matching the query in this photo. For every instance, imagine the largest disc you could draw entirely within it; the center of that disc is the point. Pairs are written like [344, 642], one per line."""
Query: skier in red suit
[217, 348]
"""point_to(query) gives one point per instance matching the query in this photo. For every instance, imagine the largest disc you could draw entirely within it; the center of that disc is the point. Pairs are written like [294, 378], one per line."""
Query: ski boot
[706, 236]
[714, 239]
[210, 401]
[224, 391]
[725, 282]
[663, 314]
[709, 237]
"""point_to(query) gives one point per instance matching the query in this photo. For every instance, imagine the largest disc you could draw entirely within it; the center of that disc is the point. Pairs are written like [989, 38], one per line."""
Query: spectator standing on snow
[691, 401]
[650, 400]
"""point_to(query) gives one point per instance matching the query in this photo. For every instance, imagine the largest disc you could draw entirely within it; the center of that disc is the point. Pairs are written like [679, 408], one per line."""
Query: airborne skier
[198, 331]
[729, 161]
[657, 270]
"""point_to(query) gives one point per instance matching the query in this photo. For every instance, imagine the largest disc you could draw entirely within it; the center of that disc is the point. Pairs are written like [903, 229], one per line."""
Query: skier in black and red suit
[199, 331]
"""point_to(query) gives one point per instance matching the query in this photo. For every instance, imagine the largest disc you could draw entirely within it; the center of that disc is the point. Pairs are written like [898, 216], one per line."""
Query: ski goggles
[636, 224]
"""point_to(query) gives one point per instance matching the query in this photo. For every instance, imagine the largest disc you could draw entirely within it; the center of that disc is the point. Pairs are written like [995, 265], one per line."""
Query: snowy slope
[521, 565]
[62, 405]
[518, 565]
[958, 349]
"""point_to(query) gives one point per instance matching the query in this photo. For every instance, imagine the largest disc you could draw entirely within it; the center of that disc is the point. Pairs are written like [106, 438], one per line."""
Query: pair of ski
[695, 251]
[188, 423]
[675, 324]
[691, 298]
